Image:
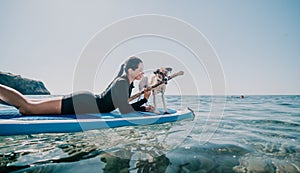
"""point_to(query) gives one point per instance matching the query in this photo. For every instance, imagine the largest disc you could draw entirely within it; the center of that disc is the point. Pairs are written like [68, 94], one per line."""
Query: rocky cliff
[23, 85]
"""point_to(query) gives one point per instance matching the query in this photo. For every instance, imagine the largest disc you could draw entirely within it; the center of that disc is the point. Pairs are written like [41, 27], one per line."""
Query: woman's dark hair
[133, 63]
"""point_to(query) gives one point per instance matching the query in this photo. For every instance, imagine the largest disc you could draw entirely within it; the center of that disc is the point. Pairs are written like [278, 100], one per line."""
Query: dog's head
[162, 74]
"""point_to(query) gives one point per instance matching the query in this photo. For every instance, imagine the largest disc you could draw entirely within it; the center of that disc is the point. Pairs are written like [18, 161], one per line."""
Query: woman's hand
[149, 108]
[147, 93]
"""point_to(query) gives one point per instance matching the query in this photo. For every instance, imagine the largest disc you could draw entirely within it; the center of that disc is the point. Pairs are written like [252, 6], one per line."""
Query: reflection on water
[256, 134]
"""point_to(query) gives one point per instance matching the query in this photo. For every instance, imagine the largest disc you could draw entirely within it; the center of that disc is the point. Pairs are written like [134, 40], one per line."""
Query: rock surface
[23, 85]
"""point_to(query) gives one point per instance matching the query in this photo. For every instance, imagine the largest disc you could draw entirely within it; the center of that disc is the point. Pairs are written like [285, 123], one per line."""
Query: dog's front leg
[154, 102]
[164, 102]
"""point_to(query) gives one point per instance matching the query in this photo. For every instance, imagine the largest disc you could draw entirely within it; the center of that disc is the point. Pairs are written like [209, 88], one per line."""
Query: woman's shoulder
[122, 80]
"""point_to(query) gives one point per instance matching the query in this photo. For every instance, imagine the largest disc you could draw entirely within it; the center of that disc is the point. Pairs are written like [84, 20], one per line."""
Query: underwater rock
[254, 164]
[286, 166]
[23, 85]
[258, 164]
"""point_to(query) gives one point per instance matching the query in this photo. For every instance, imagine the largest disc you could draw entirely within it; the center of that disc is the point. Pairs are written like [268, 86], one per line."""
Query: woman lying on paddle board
[115, 96]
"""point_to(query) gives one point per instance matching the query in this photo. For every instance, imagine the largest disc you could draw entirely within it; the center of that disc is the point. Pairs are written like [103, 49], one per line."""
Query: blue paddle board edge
[9, 127]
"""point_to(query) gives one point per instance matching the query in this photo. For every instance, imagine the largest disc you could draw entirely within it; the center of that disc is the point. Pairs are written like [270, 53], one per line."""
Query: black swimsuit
[116, 96]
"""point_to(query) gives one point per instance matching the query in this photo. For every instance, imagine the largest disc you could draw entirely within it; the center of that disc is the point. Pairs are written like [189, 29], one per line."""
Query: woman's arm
[119, 94]
[138, 105]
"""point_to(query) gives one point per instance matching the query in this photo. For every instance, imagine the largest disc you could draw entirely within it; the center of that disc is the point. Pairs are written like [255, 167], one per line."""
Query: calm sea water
[254, 134]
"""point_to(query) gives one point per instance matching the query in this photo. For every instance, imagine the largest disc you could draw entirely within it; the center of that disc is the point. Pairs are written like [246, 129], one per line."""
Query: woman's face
[139, 72]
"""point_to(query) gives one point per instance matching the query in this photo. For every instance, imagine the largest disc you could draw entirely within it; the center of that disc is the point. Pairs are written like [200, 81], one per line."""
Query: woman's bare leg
[52, 106]
[12, 96]
[26, 106]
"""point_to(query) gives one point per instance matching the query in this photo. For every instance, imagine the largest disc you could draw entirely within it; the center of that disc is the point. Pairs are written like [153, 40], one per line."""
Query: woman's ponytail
[121, 71]
[119, 74]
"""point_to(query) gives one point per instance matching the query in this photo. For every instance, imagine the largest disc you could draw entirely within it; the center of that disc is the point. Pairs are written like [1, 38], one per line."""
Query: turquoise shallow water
[254, 134]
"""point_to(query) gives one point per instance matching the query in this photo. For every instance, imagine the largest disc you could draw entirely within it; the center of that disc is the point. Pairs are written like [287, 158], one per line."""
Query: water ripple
[255, 134]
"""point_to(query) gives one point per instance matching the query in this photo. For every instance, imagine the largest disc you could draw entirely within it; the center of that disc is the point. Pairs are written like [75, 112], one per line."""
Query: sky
[255, 43]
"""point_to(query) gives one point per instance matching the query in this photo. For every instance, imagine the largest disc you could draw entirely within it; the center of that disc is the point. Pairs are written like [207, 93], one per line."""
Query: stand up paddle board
[13, 123]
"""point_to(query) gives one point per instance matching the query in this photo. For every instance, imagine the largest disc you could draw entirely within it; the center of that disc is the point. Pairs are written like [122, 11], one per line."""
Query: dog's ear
[169, 69]
[157, 71]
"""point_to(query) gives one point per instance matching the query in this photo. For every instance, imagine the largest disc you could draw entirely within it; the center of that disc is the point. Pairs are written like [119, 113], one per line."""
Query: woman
[115, 96]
